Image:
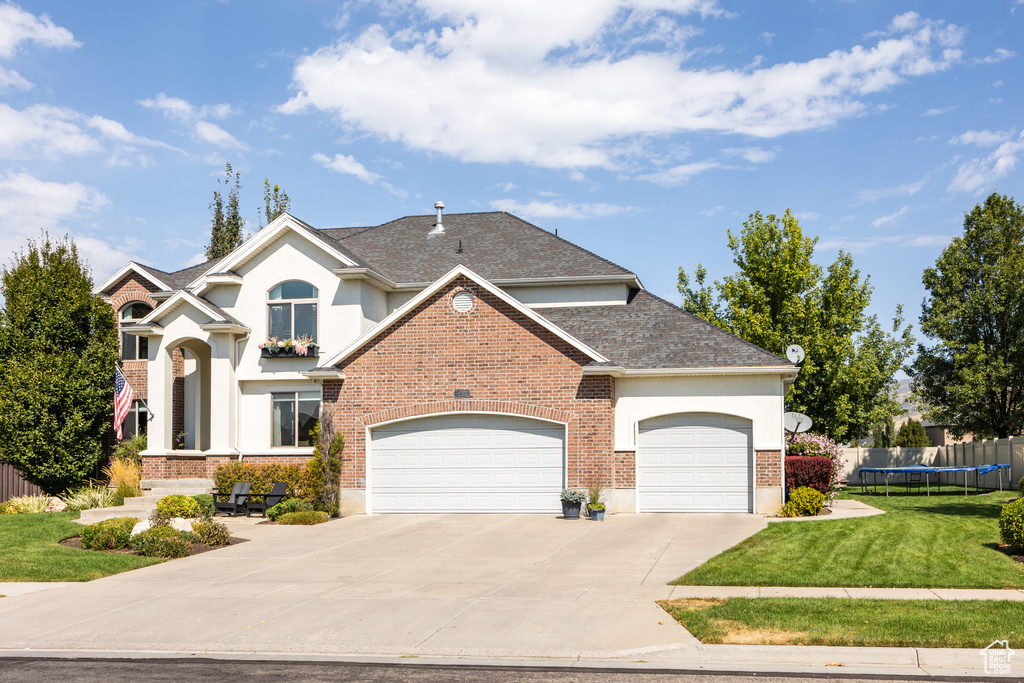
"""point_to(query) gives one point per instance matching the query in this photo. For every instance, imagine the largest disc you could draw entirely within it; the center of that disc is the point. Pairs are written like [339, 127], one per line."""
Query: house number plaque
[462, 393]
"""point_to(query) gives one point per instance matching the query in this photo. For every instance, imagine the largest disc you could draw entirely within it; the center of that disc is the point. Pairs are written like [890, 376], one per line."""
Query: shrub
[131, 448]
[286, 506]
[211, 532]
[808, 470]
[262, 477]
[7, 509]
[109, 534]
[89, 497]
[162, 541]
[34, 503]
[573, 496]
[1011, 523]
[178, 506]
[308, 517]
[205, 501]
[803, 502]
[125, 476]
[323, 472]
[817, 445]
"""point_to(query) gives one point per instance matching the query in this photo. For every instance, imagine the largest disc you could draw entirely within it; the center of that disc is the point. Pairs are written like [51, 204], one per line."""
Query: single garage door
[695, 462]
[467, 463]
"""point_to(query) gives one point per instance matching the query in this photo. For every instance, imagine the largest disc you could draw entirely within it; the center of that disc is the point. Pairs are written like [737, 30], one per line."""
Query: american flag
[123, 397]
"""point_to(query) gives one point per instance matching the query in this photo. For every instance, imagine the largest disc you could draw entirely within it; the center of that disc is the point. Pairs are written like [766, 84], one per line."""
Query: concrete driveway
[428, 585]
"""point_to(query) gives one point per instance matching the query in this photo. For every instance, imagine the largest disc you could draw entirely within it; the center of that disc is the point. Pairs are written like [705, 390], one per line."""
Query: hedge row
[808, 470]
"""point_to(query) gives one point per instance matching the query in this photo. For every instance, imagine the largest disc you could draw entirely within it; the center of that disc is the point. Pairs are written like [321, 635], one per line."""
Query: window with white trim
[136, 419]
[133, 347]
[291, 310]
[294, 414]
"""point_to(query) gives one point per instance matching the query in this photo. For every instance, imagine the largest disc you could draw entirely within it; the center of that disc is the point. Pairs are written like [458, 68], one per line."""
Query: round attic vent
[462, 301]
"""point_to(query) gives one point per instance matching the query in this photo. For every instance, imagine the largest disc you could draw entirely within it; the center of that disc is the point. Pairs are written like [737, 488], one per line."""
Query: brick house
[476, 365]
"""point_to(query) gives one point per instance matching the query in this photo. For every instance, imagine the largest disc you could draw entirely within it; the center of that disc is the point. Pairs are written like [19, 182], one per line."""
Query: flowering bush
[300, 346]
[818, 445]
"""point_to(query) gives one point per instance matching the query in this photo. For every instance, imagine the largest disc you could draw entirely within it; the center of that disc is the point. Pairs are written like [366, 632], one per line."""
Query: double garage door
[467, 463]
[695, 462]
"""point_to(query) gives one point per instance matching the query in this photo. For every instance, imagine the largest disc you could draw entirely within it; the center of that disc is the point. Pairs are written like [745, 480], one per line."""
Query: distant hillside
[913, 411]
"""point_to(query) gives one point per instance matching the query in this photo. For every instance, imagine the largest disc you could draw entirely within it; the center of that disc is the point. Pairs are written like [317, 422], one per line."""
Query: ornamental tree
[971, 377]
[779, 296]
[58, 348]
[912, 435]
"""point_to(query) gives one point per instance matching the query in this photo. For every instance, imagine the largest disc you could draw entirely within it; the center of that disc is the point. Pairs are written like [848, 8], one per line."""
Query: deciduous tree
[971, 378]
[58, 347]
[275, 202]
[779, 296]
[226, 229]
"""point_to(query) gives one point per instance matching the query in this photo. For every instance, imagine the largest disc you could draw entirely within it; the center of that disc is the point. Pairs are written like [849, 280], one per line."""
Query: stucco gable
[209, 314]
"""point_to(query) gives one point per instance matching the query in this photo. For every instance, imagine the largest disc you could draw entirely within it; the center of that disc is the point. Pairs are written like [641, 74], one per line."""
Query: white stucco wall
[571, 295]
[758, 398]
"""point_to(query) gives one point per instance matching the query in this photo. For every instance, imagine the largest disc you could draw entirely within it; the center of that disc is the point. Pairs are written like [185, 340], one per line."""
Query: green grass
[30, 550]
[941, 541]
[843, 621]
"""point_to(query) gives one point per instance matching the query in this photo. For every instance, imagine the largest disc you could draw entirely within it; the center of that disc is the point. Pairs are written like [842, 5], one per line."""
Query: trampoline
[914, 473]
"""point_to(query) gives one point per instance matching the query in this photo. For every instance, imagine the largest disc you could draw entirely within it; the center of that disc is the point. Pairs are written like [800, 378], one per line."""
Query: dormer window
[291, 310]
[132, 347]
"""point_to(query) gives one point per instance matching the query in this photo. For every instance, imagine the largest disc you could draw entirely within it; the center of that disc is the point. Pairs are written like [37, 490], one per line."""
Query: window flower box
[288, 348]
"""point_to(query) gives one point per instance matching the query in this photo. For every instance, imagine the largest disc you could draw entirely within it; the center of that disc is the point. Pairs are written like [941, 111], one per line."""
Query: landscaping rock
[181, 524]
[140, 527]
[56, 505]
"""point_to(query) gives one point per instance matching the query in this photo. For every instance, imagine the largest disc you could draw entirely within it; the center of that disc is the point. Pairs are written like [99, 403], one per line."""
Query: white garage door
[695, 462]
[467, 463]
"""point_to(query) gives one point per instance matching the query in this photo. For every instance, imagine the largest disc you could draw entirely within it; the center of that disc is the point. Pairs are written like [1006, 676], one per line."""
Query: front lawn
[30, 550]
[942, 541]
[842, 621]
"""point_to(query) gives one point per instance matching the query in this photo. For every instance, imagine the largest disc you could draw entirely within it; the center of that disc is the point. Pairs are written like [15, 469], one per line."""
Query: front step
[145, 505]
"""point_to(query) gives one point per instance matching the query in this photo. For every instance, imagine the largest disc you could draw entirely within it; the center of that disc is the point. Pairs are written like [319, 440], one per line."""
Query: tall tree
[883, 434]
[275, 202]
[226, 230]
[971, 380]
[58, 348]
[780, 297]
[912, 435]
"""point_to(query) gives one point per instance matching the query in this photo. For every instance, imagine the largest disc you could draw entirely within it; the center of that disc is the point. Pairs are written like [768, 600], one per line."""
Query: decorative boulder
[179, 523]
[140, 527]
[56, 505]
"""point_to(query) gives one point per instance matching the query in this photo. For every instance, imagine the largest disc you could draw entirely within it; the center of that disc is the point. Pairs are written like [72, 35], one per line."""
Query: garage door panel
[467, 463]
[695, 463]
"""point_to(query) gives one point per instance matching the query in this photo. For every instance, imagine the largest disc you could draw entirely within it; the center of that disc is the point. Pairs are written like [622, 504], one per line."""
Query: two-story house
[474, 363]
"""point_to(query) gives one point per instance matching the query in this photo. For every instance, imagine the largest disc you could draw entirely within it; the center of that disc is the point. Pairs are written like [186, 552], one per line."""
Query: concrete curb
[1008, 594]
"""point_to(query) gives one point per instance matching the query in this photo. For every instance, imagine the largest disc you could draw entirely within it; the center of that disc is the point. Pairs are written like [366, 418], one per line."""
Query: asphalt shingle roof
[650, 332]
[495, 245]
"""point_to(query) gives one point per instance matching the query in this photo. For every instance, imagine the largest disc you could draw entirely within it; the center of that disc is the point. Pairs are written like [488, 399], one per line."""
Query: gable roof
[651, 333]
[441, 282]
[496, 245]
[157, 277]
[216, 314]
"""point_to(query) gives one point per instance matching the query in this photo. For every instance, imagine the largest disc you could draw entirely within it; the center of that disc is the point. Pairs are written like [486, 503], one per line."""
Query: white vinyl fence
[989, 452]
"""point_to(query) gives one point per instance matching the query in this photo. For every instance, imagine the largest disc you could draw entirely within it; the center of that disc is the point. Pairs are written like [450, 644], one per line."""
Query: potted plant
[572, 501]
[595, 505]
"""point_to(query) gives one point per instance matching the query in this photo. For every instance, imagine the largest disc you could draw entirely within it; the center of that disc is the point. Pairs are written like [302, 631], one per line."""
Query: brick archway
[467, 406]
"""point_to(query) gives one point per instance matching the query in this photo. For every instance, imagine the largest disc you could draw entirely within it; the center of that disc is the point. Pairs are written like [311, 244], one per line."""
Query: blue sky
[641, 129]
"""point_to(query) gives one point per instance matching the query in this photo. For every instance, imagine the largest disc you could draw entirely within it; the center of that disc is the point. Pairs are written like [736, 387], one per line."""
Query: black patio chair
[232, 503]
[261, 502]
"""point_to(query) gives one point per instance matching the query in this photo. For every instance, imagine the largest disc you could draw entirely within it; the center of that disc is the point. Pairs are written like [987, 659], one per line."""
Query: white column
[160, 382]
[222, 411]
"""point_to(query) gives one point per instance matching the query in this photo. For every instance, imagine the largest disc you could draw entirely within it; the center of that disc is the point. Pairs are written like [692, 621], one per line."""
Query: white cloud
[885, 220]
[905, 190]
[712, 211]
[506, 187]
[979, 175]
[1000, 55]
[18, 26]
[29, 205]
[936, 112]
[11, 79]
[807, 215]
[535, 209]
[186, 113]
[679, 175]
[754, 155]
[768, 37]
[55, 132]
[863, 244]
[347, 164]
[982, 138]
[546, 84]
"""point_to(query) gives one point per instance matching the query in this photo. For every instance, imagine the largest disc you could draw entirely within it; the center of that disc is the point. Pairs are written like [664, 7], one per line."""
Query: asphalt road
[30, 670]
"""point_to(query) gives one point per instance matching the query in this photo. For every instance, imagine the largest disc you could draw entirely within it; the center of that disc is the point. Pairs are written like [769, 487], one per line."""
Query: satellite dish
[796, 422]
[795, 353]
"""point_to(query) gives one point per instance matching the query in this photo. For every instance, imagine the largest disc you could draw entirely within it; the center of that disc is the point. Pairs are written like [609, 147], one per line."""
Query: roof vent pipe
[438, 227]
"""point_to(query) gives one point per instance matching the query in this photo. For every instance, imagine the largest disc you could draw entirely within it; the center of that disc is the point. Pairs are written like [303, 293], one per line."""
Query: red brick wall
[200, 467]
[625, 469]
[507, 362]
[769, 468]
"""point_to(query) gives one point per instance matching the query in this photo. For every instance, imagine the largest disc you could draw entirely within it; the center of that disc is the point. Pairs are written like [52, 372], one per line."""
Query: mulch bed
[197, 548]
[1009, 551]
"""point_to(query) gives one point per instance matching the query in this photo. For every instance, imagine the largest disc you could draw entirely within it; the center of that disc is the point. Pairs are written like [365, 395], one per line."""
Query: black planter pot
[288, 352]
[571, 510]
[596, 515]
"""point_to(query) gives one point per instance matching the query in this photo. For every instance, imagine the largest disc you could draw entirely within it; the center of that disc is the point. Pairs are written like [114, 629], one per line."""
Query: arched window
[132, 347]
[291, 310]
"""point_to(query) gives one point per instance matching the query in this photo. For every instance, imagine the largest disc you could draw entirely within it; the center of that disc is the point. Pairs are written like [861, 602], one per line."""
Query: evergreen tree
[912, 435]
[883, 434]
[780, 297]
[58, 349]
